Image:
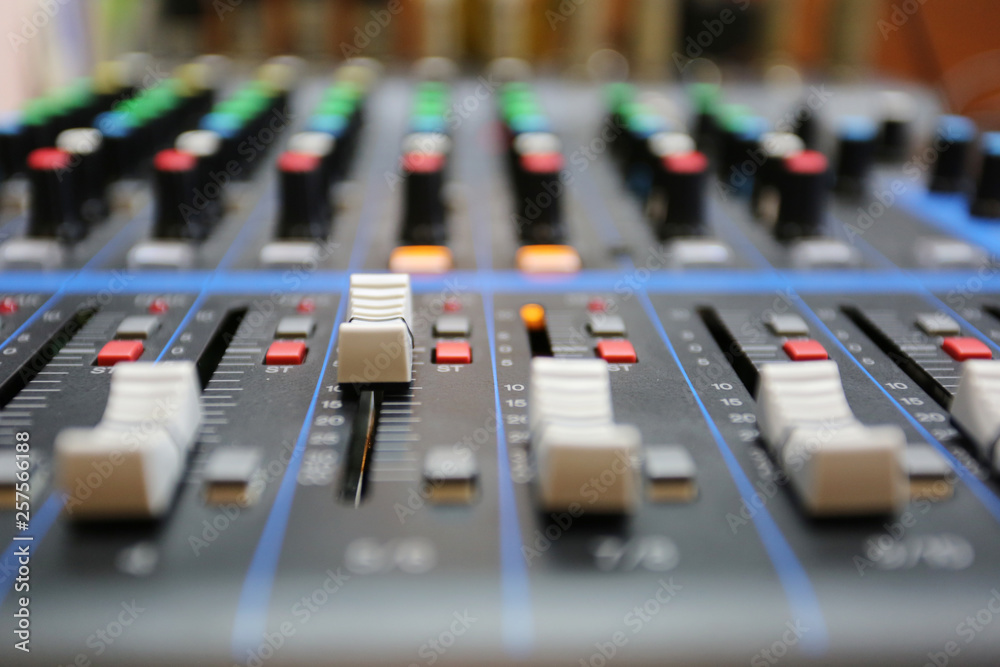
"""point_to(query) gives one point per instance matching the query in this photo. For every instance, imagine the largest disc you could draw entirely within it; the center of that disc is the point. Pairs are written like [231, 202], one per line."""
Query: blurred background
[951, 44]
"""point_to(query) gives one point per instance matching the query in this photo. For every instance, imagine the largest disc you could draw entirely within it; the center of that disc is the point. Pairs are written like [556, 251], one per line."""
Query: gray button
[162, 254]
[231, 465]
[446, 464]
[938, 324]
[668, 463]
[297, 326]
[941, 253]
[698, 252]
[787, 324]
[925, 461]
[602, 324]
[8, 467]
[138, 326]
[819, 253]
[452, 325]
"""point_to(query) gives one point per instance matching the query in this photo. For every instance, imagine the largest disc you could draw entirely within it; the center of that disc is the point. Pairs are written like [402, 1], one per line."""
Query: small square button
[285, 353]
[787, 324]
[938, 324]
[805, 350]
[299, 326]
[452, 352]
[119, 350]
[616, 351]
[960, 349]
[138, 326]
[602, 324]
[452, 325]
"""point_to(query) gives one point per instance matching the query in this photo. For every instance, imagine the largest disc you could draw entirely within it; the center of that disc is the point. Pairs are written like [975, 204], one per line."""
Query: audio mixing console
[359, 367]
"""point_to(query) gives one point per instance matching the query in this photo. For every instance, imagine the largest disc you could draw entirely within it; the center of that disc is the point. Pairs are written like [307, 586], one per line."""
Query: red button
[452, 352]
[306, 305]
[961, 349]
[806, 162]
[452, 305]
[805, 350]
[119, 350]
[686, 163]
[285, 353]
[8, 306]
[159, 306]
[616, 351]
[597, 305]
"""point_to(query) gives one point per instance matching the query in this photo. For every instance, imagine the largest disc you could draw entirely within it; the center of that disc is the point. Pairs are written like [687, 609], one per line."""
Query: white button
[298, 326]
[39, 254]
[452, 325]
[837, 465]
[375, 343]
[138, 326]
[663, 144]
[787, 324]
[602, 324]
[976, 406]
[149, 425]
[290, 253]
[943, 253]
[818, 253]
[575, 438]
[200, 143]
[687, 252]
[938, 324]
[80, 140]
[318, 144]
[161, 255]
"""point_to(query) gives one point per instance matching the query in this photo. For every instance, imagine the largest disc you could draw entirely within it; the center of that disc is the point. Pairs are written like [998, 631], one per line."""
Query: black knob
[177, 213]
[898, 110]
[855, 154]
[766, 195]
[951, 146]
[213, 177]
[305, 206]
[803, 196]
[739, 140]
[682, 181]
[423, 209]
[987, 201]
[539, 199]
[86, 148]
[53, 196]
[321, 145]
[13, 146]
[120, 143]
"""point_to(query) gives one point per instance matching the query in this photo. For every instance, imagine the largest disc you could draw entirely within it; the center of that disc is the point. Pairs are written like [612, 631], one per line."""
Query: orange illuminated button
[452, 352]
[421, 259]
[119, 350]
[616, 351]
[533, 316]
[548, 259]
[960, 349]
[285, 353]
[805, 350]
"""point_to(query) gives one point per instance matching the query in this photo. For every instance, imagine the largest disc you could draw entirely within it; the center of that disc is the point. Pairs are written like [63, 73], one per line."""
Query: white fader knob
[976, 406]
[375, 343]
[582, 457]
[837, 465]
[139, 448]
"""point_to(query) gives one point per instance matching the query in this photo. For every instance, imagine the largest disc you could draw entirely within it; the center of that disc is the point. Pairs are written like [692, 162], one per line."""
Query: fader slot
[917, 354]
[46, 352]
[360, 446]
[219, 342]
